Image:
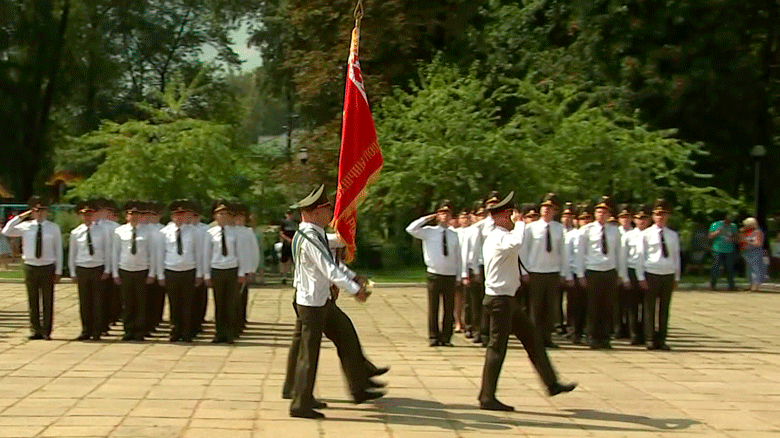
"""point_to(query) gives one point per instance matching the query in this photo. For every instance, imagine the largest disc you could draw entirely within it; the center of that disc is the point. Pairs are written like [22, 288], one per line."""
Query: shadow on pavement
[416, 412]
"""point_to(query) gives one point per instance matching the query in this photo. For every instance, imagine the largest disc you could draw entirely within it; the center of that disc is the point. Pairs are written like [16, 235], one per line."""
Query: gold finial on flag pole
[358, 13]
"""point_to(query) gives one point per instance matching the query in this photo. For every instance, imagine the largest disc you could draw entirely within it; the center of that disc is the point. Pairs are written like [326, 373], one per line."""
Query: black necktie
[39, 242]
[604, 240]
[549, 239]
[179, 248]
[133, 245]
[444, 243]
[224, 243]
[324, 242]
[89, 243]
[664, 249]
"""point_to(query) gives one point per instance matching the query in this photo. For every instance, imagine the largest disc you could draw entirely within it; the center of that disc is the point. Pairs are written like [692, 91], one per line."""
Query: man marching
[502, 275]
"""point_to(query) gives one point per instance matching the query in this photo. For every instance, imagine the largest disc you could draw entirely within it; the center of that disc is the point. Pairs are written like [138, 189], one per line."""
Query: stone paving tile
[721, 380]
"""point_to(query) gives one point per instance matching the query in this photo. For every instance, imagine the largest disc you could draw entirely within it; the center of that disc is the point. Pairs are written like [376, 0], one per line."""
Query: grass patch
[13, 273]
[413, 274]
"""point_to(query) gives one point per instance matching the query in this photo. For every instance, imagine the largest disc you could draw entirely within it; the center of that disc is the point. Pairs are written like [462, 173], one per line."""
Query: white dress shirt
[78, 250]
[534, 252]
[212, 251]
[589, 251]
[472, 236]
[144, 255]
[630, 245]
[248, 248]
[572, 241]
[433, 248]
[651, 257]
[168, 256]
[500, 251]
[51, 242]
[111, 226]
[315, 269]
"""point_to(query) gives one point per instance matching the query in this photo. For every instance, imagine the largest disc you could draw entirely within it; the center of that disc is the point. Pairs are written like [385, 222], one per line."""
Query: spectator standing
[723, 234]
[753, 252]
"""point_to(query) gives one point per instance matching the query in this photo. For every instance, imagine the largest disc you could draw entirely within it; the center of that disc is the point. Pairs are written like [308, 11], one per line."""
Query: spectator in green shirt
[724, 235]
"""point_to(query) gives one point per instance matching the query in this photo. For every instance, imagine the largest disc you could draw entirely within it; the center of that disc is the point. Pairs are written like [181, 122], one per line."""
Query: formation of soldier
[124, 272]
[513, 267]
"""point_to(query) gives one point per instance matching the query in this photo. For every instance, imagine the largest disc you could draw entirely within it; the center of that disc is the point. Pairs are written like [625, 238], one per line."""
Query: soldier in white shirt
[250, 250]
[462, 221]
[544, 256]
[502, 279]
[658, 272]
[631, 243]
[89, 265]
[133, 269]
[42, 257]
[472, 285]
[156, 293]
[598, 263]
[620, 321]
[576, 298]
[106, 216]
[315, 272]
[201, 298]
[530, 213]
[441, 252]
[179, 269]
[225, 271]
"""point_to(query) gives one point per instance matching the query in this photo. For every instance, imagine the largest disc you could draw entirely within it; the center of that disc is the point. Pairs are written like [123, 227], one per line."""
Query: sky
[250, 56]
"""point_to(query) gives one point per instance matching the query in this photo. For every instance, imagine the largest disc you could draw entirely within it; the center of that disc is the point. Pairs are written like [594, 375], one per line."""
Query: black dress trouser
[341, 331]
[312, 324]
[224, 282]
[602, 293]
[180, 287]
[506, 318]
[40, 290]
[658, 298]
[92, 296]
[440, 287]
[134, 297]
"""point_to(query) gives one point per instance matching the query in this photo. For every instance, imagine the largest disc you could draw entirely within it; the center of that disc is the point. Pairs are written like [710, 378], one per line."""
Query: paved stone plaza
[721, 380]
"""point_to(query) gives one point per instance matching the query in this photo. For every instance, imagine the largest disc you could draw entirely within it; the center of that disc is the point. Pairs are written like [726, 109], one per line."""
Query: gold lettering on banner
[360, 165]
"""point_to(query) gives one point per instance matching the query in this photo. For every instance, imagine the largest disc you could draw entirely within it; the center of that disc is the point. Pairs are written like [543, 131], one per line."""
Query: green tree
[166, 157]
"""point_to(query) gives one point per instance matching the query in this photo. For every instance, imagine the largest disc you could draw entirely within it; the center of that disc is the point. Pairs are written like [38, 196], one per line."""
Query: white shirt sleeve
[416, 227]
[72, 254]
[57, 249]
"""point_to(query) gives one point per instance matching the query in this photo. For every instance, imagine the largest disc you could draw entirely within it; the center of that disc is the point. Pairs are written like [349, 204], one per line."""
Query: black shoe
[468, 334]
[47, 337]
[636, 341]
[651, 346]
[286, 396]
[380, 371]
[606, 345]
[594, 345]
[576, 339]
[374, 384]
[230, 341]
[495, 405]
[216, 340]
[562, 330]
[96, 337]
[551, 344]
[318, 404]
[558, 388]
[174, 338]
[284, 281]
[186, 339]
[477, 339]
[664, 347]
[445, 343]
[35, 336]
[433, 343]
[365, 396]
[310, 413]
[127, 337]
[138, 337]
[82, 337]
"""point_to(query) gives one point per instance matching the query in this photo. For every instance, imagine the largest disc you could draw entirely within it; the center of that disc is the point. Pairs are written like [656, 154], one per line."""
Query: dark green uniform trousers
[180, 287]
[224, 282]
[658, 298]
[92, 295]
[340, 330]
[602, 293]
[40, 290]
[134, 296]
[312, 324]
[440, 287]
[506, 318]
[543, 289]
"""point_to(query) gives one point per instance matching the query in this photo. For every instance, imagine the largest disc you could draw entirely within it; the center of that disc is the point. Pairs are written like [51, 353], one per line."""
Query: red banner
[360, 159]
